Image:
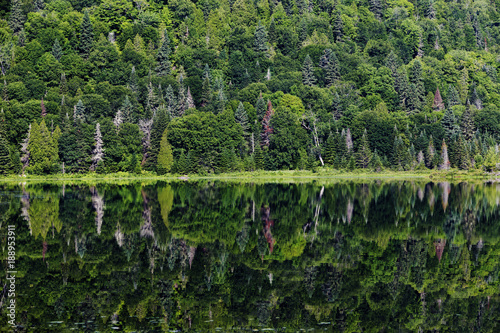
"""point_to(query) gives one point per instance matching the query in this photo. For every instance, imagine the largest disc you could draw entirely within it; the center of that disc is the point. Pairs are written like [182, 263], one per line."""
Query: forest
[209, 86]
[228, 257]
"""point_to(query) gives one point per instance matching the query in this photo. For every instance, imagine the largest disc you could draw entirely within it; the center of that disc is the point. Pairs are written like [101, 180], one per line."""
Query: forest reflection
[373, 256]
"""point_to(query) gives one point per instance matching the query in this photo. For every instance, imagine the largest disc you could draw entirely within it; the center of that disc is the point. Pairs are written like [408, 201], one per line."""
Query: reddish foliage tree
[438, 104]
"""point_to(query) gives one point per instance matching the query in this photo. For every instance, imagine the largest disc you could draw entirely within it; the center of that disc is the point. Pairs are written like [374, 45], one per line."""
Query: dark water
[377, 256]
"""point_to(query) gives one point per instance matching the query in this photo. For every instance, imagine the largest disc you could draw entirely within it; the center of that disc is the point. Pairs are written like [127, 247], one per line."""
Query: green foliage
[165, 156]
[86, 35]
[43, 149]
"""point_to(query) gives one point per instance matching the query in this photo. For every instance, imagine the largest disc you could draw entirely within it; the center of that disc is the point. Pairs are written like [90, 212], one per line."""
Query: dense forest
[214, 86]
[225, 257]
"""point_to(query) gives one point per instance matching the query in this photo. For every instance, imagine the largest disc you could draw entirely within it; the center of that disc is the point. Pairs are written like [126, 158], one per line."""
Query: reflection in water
[398, 256]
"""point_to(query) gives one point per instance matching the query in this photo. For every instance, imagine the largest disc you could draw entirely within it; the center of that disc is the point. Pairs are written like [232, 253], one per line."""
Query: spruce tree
[463, 157]
[453, 97]
[220, 101]
[258, 157]
[38, 5]
[376, 9]
[128, 111]
[57, 50]
[189, 100]
[445, 162]
[160, 123]
[430, 154]
[260, 38]
[449, 124]
[164, 66]
[438, 104]
[467, 124]
[336, 107]
[206, 91]
[308, 77]
[272, 31]
[86, 36]
[165, 156]
[63, 85]
[330, 151]
[16, 18]
[260, 108]
[182, 99]
[44, 154]
[98, 152]
[338, 27]
[330, 64]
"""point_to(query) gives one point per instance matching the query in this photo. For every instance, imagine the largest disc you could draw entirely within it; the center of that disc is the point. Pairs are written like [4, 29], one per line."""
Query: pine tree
[128, 111]
[453, 98]
[165, 156]
[376, 9]
[438, 104]
[189, 100]
[241, 118]
[57, 50]
[338, 27]
[308, 77]
[449, 124]
[16, 18]
[364, 154]
[260, 38]
[467, 124]
[164, 66]
[133, 81]
[330, 64]
[444, 157]
[5, 158]
[266, 125]
[98, 152]
[86, 35]
[79, 112]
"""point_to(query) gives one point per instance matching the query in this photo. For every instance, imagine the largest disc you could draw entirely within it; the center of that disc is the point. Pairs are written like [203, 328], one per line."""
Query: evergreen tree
[449, 124]
[260, 38]
[467, 124]
[171, 101]
[376, 9]
[63, 85]
[417, 80]
[337, 107]
[260, 108]
[79, 112]
[5, 158]
[160, 122]
[25, 158]
[206, 90]
[330, 150]
[86, 36]
[133, 82]
[444, 157]
[241, 118]
[165, 156]
[338, 27]
[308, 77]
[127, 110]
[182, 99]
[189, 100]
[258, 157]
[463, 157]
[164, 66]
[438, 104]
[266, 125]
[431, 11]
[330, 64]
[430, 154]
[16, 18]
[272, 31]
[38, 5]
[348, 141]
[44, 154]
[453, 98]
[57, 50]
[475, 100]
[98, 152]
[364, 154]
[376, 162]
[220, 101]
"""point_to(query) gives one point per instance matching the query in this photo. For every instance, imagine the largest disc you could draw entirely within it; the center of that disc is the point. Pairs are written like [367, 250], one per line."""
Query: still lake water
[374, 256]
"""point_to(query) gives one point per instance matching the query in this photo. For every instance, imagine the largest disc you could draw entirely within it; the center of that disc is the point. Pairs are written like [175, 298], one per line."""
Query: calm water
[404, 256]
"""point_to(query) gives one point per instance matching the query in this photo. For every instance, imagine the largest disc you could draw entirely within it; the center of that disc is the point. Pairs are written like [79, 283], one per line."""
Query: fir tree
[57, 50]
[430, 153]
[337, 107]
[44, 110]
[25, 158]
[220, 101]
[330, 150]
[272, 31]
[308, 77]
[348, 141]
[86, 35]
[467, 124]
[165, 156]
[164, 66]
[128, 111]
[431, 11]
[16, 18]
[376, 162]
[189, 100]
[63, 85]
[44, 154]
[241, 118]
[449, 124]
[258, 158]
[160, 122]
[118, 120]
[266, 125]
[170, 100]
[98, 152]
[260, 38]
[206, 91]
[79, 112]
[475, 100]
[463, 158]
[133, 82]
[182, 99]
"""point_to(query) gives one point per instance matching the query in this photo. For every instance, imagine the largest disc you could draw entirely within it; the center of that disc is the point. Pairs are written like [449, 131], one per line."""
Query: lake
[339, 256]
